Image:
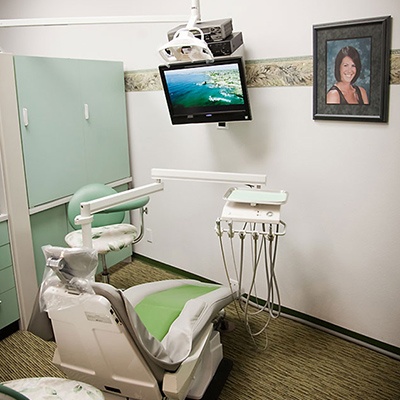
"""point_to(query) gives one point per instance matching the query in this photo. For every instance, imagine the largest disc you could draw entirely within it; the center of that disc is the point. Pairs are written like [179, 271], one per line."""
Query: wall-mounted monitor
[204, 91]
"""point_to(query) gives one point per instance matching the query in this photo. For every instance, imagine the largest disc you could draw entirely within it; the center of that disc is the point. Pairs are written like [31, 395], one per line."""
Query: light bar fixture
[208, 176]
[139, 19]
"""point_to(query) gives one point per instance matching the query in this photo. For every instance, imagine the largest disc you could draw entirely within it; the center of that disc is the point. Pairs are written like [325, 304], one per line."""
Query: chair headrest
[71, 262]
[66, 268]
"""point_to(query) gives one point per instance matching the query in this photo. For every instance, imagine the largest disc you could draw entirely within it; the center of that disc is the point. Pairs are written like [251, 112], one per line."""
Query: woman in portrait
[347, 71]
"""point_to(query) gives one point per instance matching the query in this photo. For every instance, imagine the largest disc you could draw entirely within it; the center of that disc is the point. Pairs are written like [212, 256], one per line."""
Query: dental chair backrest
[73, 271]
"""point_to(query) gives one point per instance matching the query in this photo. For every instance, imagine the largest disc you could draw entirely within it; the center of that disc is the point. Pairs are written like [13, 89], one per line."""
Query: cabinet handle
[86, 107]
[25, 116]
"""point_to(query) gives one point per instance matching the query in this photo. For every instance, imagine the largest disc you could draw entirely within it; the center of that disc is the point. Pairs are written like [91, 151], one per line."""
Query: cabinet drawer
[6, 279]
[8, 308]
[5, 256]
[3, 233]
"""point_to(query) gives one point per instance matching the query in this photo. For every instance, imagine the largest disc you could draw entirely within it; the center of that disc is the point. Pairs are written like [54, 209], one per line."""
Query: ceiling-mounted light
[185, 46]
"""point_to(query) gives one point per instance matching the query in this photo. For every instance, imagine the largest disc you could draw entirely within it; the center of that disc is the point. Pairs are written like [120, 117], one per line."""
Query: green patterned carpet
[300, 363]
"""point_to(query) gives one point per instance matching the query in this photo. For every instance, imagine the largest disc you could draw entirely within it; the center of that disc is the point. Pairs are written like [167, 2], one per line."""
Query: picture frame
[351, 70]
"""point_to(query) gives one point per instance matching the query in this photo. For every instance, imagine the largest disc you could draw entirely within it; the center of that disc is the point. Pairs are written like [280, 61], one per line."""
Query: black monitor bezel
[214, 113]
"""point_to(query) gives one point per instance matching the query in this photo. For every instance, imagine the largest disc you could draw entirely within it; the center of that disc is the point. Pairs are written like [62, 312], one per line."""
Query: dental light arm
[194, 14]
[242, 205]
[185, 46]
[89, 208]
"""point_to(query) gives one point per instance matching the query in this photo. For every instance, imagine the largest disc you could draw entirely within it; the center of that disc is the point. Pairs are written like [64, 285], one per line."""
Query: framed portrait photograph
[351, 70]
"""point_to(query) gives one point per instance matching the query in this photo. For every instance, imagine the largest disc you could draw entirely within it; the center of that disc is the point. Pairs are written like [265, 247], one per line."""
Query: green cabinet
[73, 127]
[73, 124]
[63, 126]
[8, 296]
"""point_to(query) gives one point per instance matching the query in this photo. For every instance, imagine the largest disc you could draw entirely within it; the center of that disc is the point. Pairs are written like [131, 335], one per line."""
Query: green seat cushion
[159, 310]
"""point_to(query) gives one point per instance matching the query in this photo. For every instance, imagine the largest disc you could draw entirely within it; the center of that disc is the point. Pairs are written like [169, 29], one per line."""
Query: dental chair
[149, 342]
[109, 233]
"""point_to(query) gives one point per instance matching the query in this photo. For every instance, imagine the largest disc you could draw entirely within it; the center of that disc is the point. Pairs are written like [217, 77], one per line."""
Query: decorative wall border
[295, 71]
[395, 67]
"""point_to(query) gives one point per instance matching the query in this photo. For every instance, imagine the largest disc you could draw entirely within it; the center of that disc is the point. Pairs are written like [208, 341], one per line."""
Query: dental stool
[48, 388]
[149, 342]
[109, 233]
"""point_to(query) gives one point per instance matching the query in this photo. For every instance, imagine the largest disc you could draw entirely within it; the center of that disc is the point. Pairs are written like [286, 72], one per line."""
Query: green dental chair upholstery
[109, 233]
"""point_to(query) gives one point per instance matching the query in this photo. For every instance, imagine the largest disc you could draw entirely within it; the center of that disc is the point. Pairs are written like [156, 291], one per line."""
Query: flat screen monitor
[204, 91]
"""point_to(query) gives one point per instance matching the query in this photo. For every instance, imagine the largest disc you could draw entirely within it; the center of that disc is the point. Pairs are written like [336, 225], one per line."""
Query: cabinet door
[8, 307]
[51, 127]
[8, 297]
[105, 129]
[5, 256]
[73, 124]
[4, 233]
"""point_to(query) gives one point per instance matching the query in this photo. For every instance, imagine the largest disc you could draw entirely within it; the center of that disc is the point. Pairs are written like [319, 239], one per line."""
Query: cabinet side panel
[16, 198]
[48, 227]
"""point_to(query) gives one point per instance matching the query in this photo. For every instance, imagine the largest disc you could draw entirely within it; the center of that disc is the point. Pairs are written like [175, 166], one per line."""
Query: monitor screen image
[201, 92]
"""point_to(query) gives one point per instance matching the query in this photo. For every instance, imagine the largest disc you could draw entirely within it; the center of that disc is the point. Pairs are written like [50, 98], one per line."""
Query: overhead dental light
[184, 46]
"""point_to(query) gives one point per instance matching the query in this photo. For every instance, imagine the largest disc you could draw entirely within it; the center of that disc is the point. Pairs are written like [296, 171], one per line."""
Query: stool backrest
[91, 192]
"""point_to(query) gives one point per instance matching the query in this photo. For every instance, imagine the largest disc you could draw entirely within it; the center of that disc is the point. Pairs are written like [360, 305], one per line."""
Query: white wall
[339, 259]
